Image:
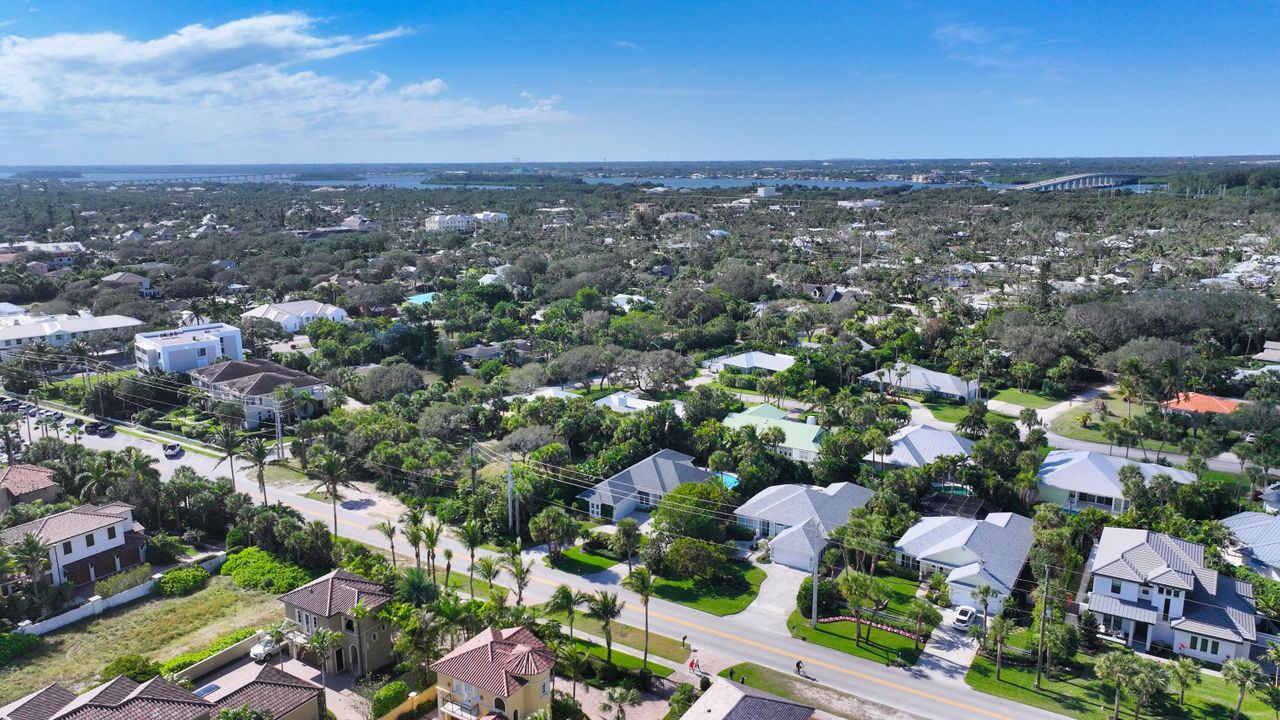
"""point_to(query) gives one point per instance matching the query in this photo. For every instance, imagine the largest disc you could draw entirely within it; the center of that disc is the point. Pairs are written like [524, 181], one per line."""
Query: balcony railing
[458, 706]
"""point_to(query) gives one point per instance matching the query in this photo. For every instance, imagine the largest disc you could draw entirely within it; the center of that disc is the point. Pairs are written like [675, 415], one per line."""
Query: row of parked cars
[28, 409]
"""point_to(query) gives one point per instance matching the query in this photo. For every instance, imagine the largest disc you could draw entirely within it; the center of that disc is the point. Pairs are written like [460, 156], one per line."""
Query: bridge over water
[1081, 181]
[236, 178]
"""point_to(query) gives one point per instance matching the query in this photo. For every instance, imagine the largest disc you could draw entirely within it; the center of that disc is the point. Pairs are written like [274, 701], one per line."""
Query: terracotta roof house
[329, 602]
[1194, 403]
[284, 696]
[26, 483]
[253, 383]
[85, 543]
[498, 673]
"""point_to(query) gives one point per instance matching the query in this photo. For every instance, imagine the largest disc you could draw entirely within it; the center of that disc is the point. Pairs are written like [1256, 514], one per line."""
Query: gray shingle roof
[794, 505]
[920, 379]
[994, 549]
[661, 472]
[39, 705]
[919, 445]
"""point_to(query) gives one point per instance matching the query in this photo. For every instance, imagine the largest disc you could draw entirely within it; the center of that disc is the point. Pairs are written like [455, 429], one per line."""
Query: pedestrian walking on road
[730, 674]
[684, 640]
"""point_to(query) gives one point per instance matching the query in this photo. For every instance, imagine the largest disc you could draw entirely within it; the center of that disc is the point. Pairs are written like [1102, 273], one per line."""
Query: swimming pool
[728, 479]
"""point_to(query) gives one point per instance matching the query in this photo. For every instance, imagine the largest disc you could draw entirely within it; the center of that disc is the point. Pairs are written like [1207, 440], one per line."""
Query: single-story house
[624, 401]
[915, 379]
[1077, 479]
[1256, 537]
[1270, 352]
[752, 361]
[293, 316]
[729, 700]
[802, 440]
[1149, 588]
[642, 485]
[991, 551]
[798, 519]
[915, 446]
[625, 302]
[1194, 403]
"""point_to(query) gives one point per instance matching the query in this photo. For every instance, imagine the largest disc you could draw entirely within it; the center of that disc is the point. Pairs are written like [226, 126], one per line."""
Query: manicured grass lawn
[1079, 694]
[576, 561]
[901, 592]
[714, 599]
[1025, 399]
[621, 659]
[790, 687]
[632, 637]
[157, 628]
[1067, 425]
[882, 647]
[278, 473]
[956, 413]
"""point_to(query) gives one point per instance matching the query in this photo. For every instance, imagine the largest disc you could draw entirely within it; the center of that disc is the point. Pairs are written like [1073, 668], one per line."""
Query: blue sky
[142, 81]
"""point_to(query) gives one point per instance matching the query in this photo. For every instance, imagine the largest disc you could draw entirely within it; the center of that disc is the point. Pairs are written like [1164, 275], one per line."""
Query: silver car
[265, 650]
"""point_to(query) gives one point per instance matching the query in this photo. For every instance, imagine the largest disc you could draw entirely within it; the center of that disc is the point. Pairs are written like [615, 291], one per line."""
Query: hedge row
[121, 581]
[388, 697]
[182, 581]
[186, 660]
[15, 645]
[257, 569]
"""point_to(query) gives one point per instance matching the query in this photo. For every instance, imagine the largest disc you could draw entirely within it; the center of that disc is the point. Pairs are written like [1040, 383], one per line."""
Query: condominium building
[187, 348]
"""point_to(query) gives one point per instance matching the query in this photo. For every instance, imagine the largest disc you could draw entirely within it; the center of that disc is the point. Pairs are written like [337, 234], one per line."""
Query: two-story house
[26, 483]
[187, 348]
[134, 280]
[1149, 588]
[253, 383]
[330, 602]
[85, 544]
[498, 673]
[1079, 479]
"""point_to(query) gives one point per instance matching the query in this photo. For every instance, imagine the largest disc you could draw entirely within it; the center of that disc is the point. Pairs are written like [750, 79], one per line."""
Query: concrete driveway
[949, 653]
[777, 597]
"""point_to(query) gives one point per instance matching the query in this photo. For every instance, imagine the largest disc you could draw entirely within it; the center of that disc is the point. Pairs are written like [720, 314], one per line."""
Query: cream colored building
[503, 673]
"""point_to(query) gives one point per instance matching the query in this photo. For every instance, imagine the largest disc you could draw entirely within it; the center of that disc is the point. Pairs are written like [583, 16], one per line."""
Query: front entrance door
[1140, 630]
[355, 659]
[339, 661]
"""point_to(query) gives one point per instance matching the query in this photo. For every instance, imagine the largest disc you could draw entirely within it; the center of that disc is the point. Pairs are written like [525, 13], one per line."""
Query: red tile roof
[497, 661]
[1195, 402]
[274, 691]
[23, 479]
[336, 592]
[68, 524]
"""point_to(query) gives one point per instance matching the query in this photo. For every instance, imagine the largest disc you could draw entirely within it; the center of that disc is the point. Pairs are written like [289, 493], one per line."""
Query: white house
[802, 441]
[360, 223]
[751, 361]
[625, 302]
[798, 519]
[187, 348]
[970, 553]
[293, 316]
[1077, 479]
[450, 223]
[913, 378]
[143, 284]
[915, 446]
[623, 401]
[253, 384]
[1256, 537]
[17, 331]
[1148, 588]
[85, 543]
[642, 485]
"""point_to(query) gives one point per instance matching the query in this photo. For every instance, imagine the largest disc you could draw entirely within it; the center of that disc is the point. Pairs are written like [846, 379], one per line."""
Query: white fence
[98, 604]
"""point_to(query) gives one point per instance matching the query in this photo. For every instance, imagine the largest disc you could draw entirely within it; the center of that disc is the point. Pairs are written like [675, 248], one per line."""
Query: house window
[1204, 645]
[1115, 587]
[89, 540]
[910, 561]
[544, 688]
[201, 352]
[499, 705]
[298, 615]
[111, 533]
[66, 548]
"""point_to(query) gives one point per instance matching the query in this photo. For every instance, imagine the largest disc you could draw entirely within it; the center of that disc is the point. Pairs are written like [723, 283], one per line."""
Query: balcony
[463, 708]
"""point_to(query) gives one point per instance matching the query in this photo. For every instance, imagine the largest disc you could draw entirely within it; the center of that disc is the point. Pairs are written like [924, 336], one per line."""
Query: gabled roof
[798, 435]
[755, 359]
[22, 479]
[661, 472]
[727, 700]
[991, 551]
[497, 661]
[1258, 534]
[154, 699]
[1098, 474]
[827, 507]
[919, 445]
[280, 312]
[273, 691]
[67, 524]
[39, 705]
[337, 593]
[914, 377]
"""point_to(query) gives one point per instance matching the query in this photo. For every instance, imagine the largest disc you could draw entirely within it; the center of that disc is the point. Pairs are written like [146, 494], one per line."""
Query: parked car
[93, 428]
[964, 616]
[106, 430]
[74, 422]
[265, 650]
[172, 450]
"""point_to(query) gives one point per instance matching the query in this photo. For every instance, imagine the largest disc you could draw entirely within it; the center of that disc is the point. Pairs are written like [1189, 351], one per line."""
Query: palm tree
[922, 612]
[95, 479]
[448, 564]
[277, 634]
[574, 662]
[76, 432]
[322, 642]
[1272, 655]
[983, 595]
[626, 538]
[855, 587]
[618, 699]
[1116, 667]
[32, 556]
[416, 588]
[471, 535]
[521, 571]
[229, 441]
[1245, 675]
[258, 453]
[388, 531]
[606, 607]
[566, 601]
[331, 475]
[431, 538]
[1185, 672]
[1000, 631]
[641, 582]
[488, 569]
[413, 535]
[1150, 679]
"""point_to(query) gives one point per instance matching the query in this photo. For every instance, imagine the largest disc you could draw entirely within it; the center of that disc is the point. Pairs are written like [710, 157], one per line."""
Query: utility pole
[1044, 620]
[813, 611]
[279, 431]
[472, 462]
[511, 514]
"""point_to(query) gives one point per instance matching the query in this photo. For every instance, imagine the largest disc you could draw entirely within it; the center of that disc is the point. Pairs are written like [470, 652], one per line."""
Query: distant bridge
[1081, 181]
[244, 177]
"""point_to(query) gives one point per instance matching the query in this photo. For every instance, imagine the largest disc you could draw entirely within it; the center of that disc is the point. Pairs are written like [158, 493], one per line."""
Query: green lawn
[621, 659]
[790, 687]
[956, 413]
[714, 599]
[159, 628]
[901, 592]
[1067, 424]
[576, 561]
[1081, 695]
[1025, 399]
[881, 647]
[632, 637]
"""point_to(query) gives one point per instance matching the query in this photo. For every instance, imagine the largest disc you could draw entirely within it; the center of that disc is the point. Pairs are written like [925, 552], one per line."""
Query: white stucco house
[187, 348]
[642, 485]
[915, 379]
[798, 519]
[915, 446]
[991, 551]
[624, 401]
[752, 361]
[293, 316]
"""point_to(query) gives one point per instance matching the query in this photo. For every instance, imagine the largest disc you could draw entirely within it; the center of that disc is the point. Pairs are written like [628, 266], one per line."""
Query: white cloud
[625, 45]
[241, 82]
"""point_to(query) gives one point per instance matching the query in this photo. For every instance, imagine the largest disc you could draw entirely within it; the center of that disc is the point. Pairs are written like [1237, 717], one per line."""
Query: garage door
[791, 558]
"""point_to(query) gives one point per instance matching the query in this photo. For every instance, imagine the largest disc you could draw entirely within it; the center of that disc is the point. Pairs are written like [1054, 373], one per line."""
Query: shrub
[186, 660]
[829, 598]
[704, 684]
[237, 539]
[165, 548]
[734, 531]
[134, 667]
[388, 697]
[121, 581]
[15, 645]
[255, 569]
[182, 581]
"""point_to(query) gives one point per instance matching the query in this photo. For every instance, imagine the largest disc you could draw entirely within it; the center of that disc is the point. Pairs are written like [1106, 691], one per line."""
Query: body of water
[703, 183]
